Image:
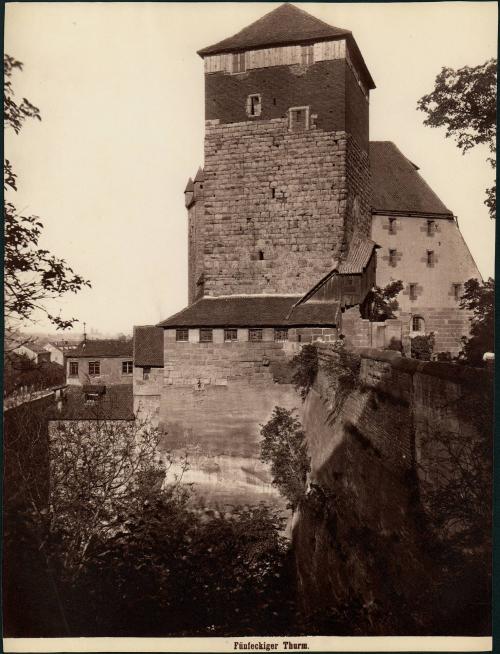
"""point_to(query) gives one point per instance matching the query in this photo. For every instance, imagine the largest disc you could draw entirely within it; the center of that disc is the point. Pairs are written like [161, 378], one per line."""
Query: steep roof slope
[148, 346]
[286, 25]
[396, 184]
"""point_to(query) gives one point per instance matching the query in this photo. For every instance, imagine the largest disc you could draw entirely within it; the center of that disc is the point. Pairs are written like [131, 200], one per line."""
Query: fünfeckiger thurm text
[269, 647]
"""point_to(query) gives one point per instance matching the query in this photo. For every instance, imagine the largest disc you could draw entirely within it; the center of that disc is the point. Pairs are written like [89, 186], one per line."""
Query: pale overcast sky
[120, 89]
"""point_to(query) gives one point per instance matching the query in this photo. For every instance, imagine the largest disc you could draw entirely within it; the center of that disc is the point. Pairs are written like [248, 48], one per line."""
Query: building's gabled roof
[285, 25]
[250, 311]
[396, 184]
[148, 346]
[103, 348]
[358, 256]
[114, 403]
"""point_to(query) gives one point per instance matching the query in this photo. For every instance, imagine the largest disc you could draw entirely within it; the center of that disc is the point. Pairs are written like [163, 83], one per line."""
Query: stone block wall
[275, 206]
[214, 398]
[362, 533]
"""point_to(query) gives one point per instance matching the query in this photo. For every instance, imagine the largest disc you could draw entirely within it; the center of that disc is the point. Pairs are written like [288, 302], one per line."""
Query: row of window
[94, 368]
[430, 257]
[456, 289]
[231, 334]
[306, 59]
[431, 226]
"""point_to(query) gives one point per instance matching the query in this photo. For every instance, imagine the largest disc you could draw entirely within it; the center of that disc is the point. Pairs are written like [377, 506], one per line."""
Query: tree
[284, 446]
[464, 102]
[479, 297]
[381, 303]
[32, 275]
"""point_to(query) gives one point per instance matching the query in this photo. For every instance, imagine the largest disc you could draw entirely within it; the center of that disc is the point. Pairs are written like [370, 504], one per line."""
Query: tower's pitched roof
[396, 184]
[189, 186]
[284, 25]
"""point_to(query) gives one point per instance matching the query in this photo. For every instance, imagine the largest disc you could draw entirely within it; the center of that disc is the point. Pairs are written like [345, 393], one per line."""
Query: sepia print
[249, 310]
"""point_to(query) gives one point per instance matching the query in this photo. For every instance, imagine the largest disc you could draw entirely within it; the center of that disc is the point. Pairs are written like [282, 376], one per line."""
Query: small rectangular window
[239, 62]
[254, 105]
[146, 371]
[392, 257]
[392, 225]
[430, 257]
[457, 291]
[94, 368]
[206, 335]
[91, 398]
[298, 119]
[281, 334]
[182, 335]
[413, 291]
[230, 334]
[307, 55]
[127, 367]
[255, 334]
[431, 227]
[73, 369]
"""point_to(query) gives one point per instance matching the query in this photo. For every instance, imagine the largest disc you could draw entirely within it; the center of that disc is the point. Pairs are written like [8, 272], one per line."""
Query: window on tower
[239, 62]
[298, 119]
[254, 105]
[307, 55]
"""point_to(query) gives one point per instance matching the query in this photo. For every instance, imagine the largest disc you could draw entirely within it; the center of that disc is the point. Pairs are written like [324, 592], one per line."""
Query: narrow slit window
[457, 291]
[261, 255]
[146, 372]
[392, 257]
[413, 291]
[392, 225]
[431, 227]
[430, 258]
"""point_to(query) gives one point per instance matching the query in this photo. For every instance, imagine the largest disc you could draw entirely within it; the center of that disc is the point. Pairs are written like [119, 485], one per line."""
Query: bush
[422, 347]
[283, 446]
[306, 369]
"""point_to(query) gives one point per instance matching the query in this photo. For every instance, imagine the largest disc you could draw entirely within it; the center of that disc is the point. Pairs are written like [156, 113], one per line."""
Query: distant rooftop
[286, 25]
[103, 348]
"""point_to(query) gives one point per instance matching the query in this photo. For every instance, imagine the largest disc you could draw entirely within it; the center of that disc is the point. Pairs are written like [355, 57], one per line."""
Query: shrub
[422, 347]
[283, 446]
[306, 369]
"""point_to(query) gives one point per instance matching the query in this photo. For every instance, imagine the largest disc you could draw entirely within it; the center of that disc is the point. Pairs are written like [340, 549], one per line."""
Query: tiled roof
[189, 186]
[286, 24]
[396, 184]
[314, 313]
[103, 348]
[251, 311]
[148, 346]
[200, 175]
[115, 403]
[358, 257]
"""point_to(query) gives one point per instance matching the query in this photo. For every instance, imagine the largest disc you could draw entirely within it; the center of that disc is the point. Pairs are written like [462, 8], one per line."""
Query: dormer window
[239, 62]
[298, 119]
[254, 105]
[307, 55]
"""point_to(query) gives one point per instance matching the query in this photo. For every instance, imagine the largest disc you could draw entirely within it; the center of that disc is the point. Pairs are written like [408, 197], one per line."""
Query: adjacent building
[100, 362]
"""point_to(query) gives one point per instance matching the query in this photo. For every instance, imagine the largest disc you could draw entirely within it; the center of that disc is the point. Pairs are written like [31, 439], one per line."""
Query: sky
[121, 93]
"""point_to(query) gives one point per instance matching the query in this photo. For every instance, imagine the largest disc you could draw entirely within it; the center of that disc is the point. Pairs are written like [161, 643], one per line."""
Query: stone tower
[286, 178]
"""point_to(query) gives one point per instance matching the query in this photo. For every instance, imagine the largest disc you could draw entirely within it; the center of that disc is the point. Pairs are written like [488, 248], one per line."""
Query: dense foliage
[21, 372]
[305, 366]
[464, 103]
[381, 303]
[422, 346]
[32, 275]
[479, 297]
[284, 447]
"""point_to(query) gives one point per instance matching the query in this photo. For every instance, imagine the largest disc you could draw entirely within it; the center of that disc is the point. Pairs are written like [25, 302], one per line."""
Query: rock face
[366, 535]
